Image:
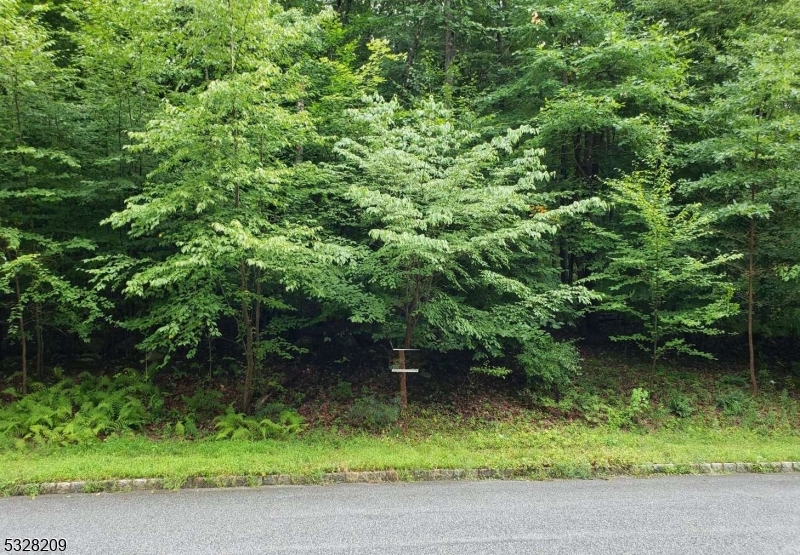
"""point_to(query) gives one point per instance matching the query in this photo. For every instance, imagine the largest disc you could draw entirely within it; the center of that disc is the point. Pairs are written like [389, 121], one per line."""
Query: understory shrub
[629, 414]
[204, 403]
[733, 402]
[597, 409]
[549, 365]
[370, 413]
[680, 405]
[342, 391]
[182, 429]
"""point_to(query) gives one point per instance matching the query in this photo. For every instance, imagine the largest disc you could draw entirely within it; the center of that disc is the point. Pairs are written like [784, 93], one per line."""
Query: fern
[234, 425]
[230, 425]
[69, 412]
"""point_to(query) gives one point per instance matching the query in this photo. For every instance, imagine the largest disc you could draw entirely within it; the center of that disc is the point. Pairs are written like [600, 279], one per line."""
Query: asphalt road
[747, 514]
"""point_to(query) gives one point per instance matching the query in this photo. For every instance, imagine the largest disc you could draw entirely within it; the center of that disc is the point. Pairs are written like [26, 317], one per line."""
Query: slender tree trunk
[210, 358]
[449, 42]
[257, 310]
[119, 136]
[17, 108]
[408, 340]
[656, 296]
[39, 340]
[249, 355]
[751, 277]
[750, 303]
[571, 272]
[563, 261]
[246, 312]
[22, 339]
[18, 120]
[246, 307]
[412, 54]
[232, 42]
[655, 340]
[499, 39]
[403, 382]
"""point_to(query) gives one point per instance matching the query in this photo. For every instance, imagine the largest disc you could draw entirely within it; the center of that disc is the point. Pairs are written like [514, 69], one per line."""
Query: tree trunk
[408, 339]
[412, 53]
[22, 339]
[751, 277]
[39, 340]
[563, 261]
[403, 382]
[449, 42]
[232, 41]
[750, 303]
[257, 325]
[210, 357]
[499, 38]
[571, 272]
[655, 340]
[249, 355]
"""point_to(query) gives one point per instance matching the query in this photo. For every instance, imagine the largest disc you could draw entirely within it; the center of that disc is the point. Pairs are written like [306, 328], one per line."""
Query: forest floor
[618, 415]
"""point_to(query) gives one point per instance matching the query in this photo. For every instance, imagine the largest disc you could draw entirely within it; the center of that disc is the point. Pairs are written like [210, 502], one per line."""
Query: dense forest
[264, 194]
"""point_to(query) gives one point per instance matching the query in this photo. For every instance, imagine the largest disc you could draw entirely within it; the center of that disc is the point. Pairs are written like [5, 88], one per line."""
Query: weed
[570, 470]
[370, 413]
[93, 487]
[680, 405]
[734, 380]
[629, 414]
[174, 482]
[204, 403]
[342, 391]
[733, 402]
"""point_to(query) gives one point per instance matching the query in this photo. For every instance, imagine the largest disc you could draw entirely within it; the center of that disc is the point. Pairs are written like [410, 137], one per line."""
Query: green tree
[38, 177]
[655, 274]
[747, 160]
[598, 83]
[454, 232]
[219, 202]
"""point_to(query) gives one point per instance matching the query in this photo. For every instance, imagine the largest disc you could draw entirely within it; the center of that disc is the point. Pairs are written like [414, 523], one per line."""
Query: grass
[500, 446]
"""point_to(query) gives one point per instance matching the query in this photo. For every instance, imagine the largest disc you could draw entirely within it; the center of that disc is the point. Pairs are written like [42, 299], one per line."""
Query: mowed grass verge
[568, 446]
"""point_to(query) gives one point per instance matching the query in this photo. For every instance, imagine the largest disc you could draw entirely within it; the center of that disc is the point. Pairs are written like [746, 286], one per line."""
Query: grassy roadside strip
[575, 450]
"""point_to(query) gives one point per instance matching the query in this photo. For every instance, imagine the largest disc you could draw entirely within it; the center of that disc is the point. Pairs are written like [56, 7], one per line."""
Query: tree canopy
[252, 181]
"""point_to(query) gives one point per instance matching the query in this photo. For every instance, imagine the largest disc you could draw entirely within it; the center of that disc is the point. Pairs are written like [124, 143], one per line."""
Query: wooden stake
[403, 390]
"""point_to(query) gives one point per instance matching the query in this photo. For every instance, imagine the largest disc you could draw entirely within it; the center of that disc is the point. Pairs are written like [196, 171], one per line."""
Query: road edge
[383, 476]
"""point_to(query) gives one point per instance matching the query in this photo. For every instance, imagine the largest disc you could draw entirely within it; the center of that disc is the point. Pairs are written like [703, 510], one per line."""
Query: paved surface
[747, 514]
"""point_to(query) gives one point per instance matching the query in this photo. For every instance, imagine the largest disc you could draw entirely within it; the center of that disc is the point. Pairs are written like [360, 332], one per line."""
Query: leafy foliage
[370, 413]
[448, 233]
[81, 411]
[236, 425]
[680, 405]
[247, 182]
[655, 277]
